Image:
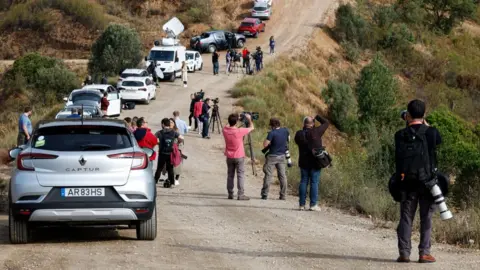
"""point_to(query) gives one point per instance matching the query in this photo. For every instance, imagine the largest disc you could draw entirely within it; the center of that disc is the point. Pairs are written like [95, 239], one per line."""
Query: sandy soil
[200, 229]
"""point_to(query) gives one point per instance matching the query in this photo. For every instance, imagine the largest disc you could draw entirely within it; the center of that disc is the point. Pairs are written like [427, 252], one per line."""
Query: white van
[168, 56]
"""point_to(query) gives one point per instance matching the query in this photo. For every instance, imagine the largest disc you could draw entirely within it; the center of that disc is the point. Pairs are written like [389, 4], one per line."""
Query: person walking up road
[24, 127]
[277, 144]
[215, 63]
[308, 138]
[235, 153]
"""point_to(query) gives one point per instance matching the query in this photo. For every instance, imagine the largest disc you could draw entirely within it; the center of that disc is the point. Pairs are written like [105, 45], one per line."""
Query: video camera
[199, 95]
[215, 101]
[253, 115]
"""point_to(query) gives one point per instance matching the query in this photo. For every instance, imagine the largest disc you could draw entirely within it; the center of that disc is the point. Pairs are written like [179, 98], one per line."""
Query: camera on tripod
[199, 95]
[216, 101]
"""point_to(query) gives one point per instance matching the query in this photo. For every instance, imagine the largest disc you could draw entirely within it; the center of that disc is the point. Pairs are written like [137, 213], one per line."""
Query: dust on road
[200, 229]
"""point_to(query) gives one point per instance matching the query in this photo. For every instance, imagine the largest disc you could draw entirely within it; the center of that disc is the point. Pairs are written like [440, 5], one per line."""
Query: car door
[115, 103]
[221, 40]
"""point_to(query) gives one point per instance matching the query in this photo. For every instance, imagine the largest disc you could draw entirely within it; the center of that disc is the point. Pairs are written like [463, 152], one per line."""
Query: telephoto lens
[445, 214]
[289, 160]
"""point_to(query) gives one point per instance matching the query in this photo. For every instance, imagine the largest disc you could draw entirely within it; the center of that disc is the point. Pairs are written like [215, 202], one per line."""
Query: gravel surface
[200, 229]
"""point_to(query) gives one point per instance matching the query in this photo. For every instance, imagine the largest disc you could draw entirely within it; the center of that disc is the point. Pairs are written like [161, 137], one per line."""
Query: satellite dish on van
[173, 27]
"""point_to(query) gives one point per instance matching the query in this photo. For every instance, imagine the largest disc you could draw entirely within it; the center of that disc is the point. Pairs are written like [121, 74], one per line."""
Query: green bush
[410, 11]
[351, 27]
[397, 37]
[342, 106]
[376, 91]
[55, 82]
[385, 16]
[444, 15]
[29, 65]
[199, 11]
[119, 47]
[352, 52]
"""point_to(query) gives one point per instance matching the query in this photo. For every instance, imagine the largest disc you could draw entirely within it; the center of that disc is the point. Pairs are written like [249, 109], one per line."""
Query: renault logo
[82, 161]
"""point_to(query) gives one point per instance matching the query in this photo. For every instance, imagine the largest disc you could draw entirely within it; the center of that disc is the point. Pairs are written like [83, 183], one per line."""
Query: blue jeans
[309, 176]
[205, 127]
[215, 68]
[258, 66]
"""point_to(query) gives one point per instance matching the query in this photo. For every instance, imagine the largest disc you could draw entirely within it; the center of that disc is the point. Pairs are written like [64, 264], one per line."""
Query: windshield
[260, 8]
[161, 55]
[125, 75]
[132, 83]
[81, 138]
[246, 24]
[190, 56]
[85, 97]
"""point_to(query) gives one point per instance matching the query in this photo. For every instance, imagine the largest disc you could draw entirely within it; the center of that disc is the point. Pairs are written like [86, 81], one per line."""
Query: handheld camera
[253, 115]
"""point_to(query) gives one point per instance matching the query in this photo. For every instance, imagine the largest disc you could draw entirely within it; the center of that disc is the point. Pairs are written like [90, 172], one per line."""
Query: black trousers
[164, 160]
[190, 117]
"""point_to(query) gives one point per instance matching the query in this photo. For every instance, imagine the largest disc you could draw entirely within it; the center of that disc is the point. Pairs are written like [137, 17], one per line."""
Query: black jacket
[307, 139]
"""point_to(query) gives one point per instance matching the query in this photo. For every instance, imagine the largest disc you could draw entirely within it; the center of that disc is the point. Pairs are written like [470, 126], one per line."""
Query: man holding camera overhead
[235, 153]
[275, 146]
[414, 169]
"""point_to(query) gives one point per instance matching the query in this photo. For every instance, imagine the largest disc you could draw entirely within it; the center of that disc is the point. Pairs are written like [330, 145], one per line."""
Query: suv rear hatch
[82, 155]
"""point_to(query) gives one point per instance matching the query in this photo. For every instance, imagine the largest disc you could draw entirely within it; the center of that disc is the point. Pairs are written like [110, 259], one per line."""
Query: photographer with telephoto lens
[275, 147]
[235, 153]
[415, 158]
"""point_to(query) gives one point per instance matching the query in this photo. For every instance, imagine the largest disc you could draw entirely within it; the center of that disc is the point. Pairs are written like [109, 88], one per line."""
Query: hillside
[67, 28]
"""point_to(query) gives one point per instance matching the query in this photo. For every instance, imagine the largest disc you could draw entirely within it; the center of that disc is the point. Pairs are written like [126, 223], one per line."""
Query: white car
[138, 89]
[194, 61]
[89, 111]
[132, 72]
[79, 96]
[262, 10]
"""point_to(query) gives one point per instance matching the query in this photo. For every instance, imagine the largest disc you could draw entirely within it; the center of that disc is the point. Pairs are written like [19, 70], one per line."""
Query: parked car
[72, 173]
[194, 61]
[132, 72]
[93, 97]
[217, 40]
[89, 111]
[251, 27]
[262, 11]
[138, 89]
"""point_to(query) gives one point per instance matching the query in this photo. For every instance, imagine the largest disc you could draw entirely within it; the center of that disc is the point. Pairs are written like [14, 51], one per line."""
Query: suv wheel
[201, 67]
[211, 48]
[240, 43]
[173, 76]
[18, 229]
[147, 229]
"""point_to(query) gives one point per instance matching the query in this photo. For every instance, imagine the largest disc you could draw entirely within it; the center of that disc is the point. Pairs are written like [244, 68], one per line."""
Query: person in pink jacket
[197, 111]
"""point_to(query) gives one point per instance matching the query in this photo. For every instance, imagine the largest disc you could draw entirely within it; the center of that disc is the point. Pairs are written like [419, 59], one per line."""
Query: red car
[251, 27]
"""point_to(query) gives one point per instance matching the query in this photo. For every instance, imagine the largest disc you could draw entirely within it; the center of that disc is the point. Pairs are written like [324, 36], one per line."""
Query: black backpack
[413, 158]
[166, 142]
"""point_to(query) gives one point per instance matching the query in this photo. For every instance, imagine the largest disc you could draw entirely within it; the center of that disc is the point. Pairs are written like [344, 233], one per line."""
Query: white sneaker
[315, 208]
[177, 182]
[301, 208]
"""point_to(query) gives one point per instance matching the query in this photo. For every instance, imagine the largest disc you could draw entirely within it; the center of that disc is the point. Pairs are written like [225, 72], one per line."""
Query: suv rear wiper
[95, 147]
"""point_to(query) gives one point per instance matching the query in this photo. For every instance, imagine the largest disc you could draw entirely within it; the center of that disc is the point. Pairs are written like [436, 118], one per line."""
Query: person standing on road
[177, 170]
[205, 117]
[413, 185]
[144, 136]
[277, 144]
[235, 153]
[244, 56]
[216, 66]
[166, 138]
[272, 45]
[104, 103]
[24, 127]
[184, 73]
[228, 57]
[259, 59]
[182, 126]
[310, 137]
[194, 100]
[197, 112]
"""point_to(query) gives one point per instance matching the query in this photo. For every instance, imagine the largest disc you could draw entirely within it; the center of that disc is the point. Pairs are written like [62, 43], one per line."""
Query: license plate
[246, 33]
[83, 192]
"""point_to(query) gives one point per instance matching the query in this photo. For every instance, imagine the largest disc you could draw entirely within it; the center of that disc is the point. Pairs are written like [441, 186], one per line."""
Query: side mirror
[176, 60]
[13, 153]
[146, 59]
[65, 99]
[148, 151]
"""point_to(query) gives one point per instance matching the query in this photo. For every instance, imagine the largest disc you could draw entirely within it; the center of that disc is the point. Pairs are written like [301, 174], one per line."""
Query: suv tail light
[142, 89]
[23, 163]
[140, 159]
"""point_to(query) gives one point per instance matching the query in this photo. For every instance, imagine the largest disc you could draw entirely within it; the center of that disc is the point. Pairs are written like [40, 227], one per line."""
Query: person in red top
[197, 111]
[104, 103]
[145, 137]
[244, 55]
[235, 153]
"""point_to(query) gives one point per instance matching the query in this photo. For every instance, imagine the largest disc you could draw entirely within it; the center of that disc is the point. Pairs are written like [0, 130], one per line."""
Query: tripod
[216, 119]
[250, 148]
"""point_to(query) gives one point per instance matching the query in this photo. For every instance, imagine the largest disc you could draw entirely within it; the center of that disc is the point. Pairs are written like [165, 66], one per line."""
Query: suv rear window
[133, 83]
[260, 8]
[246, 24]
[81, 138]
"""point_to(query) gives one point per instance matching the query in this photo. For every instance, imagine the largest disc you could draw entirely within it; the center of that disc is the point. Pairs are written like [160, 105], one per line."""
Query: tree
[342, 105]
[119, 47]
[376, 91]
[446, 14]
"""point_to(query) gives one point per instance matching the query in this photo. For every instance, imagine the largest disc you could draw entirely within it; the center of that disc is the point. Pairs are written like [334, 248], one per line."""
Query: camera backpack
[167, 141]
[413, 157]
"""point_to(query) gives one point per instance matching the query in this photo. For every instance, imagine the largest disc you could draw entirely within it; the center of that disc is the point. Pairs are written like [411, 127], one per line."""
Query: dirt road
[200, 229]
